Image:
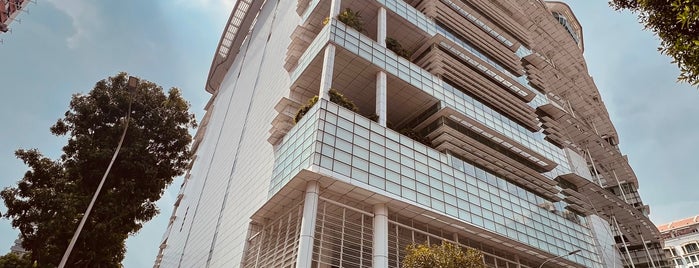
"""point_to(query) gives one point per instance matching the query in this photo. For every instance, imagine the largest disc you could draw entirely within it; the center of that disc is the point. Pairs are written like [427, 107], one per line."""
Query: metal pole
[623, 241]
[619, 185]
[652, 263]
[594, 168]
[560, 256]
[104, 178]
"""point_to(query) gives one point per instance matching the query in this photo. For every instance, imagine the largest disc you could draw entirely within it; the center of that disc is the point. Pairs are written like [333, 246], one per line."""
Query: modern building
[476, 122]
[682, 242]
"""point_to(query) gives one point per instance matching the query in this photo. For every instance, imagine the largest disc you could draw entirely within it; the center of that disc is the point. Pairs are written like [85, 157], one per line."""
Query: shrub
[335, 96]
[446, 255]
[396, 47]
[304, 109]
[352, 19]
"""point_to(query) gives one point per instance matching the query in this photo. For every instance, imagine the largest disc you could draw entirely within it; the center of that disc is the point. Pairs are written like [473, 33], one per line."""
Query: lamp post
[131, 86]
[560, 256]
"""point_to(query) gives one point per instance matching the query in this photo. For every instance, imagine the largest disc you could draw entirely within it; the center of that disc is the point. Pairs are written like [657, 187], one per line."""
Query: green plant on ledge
[335, 96]
[304, 109]
[352, 19]
[395, 46]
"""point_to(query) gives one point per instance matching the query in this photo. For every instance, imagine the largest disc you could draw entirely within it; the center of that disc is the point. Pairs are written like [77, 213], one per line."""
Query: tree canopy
[49, 201]
[446, 255]
[676, 22]
[12, 260]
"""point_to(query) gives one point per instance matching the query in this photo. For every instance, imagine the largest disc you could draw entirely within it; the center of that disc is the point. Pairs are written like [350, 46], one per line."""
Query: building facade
[17, 247]
[682, 242]
[9, 10]
[474, 122]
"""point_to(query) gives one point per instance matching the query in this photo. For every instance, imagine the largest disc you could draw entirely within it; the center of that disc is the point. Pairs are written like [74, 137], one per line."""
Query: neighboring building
[682, 242]
[9, 10]
[477, 123]
[17, 247]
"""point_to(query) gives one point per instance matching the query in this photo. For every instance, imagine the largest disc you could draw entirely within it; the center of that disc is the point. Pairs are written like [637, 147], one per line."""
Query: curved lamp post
[560, 256]
[131, 86]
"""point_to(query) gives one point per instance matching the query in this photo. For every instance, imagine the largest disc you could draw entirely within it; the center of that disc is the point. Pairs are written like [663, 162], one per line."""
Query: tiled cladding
[351, 148]
[380, 56]
[233, 153]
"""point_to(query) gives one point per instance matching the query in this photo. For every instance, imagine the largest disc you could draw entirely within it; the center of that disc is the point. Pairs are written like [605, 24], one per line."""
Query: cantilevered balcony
[348, 153]
[420, 86]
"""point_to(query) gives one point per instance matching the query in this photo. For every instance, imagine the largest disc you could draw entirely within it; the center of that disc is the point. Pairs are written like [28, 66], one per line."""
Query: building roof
[678, 224]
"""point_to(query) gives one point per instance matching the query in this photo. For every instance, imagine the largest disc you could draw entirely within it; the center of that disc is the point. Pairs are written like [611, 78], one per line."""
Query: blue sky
[63, 47]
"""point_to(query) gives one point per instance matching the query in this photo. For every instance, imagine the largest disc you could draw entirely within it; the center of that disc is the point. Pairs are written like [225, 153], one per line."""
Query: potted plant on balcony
[395, 46]
[352, 19]
[335, 96]
[304, 109]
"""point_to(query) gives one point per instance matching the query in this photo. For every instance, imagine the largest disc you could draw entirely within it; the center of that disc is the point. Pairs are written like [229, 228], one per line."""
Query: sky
[62, 47]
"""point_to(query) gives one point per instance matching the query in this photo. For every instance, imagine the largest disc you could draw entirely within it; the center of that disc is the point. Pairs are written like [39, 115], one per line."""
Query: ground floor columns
[308, 225]
[380, 245]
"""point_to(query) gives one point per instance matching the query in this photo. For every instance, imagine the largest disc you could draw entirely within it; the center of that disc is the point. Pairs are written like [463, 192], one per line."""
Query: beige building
[682, 242]
[476, 122]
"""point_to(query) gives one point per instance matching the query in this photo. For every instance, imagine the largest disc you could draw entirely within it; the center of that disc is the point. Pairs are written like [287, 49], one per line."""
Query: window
[564, 21]
[691, 247]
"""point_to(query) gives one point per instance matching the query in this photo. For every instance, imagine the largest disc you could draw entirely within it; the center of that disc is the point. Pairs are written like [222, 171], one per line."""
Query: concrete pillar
[381, 76]
[308, 225]
[381, 102]
[380, 249]
[335, 8]
[381, 27]
[326, 76]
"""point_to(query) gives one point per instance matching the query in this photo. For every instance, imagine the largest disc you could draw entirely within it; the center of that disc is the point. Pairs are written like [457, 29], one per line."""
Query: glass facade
[409, 72]
[355, 149]
[233, 212]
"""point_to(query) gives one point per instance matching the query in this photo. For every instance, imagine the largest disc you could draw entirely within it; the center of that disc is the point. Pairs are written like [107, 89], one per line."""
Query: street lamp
[131, 85]
[560, 256]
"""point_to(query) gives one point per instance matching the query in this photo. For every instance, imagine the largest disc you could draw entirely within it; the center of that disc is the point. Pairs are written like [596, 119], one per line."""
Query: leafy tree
[12, 260]
[676, 22]
[446, 255]
[49, 201]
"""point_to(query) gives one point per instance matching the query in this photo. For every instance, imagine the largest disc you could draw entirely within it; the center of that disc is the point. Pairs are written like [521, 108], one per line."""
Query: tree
[48, 202]
[676, 22]
[446, 255]
[12, 260]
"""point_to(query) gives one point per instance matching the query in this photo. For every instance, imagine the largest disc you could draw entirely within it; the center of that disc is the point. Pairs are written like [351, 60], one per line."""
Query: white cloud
[84, 16]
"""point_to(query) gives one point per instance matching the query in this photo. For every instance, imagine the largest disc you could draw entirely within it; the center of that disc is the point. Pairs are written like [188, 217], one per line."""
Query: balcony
[356, 157]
